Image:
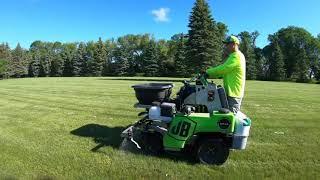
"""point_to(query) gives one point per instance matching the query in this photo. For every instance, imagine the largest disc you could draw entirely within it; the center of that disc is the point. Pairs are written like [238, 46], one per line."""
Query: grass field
[48, 127]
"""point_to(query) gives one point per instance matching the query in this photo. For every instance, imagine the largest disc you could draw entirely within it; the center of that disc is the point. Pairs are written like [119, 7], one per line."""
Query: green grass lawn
[48, 127]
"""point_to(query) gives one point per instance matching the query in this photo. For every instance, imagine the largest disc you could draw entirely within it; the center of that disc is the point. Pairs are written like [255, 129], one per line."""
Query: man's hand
[225, 55]
[204, 74]
[203, 71]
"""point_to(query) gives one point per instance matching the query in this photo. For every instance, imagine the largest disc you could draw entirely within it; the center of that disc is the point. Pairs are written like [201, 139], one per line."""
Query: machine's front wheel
[212, 152]
[127, 145]
[153, 144]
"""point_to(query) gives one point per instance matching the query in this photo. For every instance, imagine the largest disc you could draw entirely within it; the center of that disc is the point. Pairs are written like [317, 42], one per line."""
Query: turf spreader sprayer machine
[196, 122]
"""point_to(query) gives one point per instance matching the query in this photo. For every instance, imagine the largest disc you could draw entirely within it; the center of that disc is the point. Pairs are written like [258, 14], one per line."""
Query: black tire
[212, 152]
[127, 145]
[153, 144]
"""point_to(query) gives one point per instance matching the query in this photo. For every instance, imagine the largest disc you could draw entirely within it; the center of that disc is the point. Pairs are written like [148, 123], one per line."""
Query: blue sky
[25, 21]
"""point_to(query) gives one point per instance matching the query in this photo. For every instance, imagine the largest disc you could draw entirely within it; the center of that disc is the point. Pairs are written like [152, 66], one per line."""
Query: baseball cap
[231, 39]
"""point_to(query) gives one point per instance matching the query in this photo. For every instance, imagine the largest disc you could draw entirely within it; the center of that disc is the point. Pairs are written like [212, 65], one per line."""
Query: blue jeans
[234, 104]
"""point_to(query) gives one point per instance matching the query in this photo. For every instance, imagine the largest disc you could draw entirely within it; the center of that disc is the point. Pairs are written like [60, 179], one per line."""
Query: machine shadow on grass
[102, 135]
[110, 136]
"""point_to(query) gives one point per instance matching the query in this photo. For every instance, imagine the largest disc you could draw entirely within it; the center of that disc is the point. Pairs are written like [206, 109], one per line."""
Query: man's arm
[224, 68]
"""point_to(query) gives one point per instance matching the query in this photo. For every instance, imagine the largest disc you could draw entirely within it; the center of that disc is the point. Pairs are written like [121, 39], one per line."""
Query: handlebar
[198, 77]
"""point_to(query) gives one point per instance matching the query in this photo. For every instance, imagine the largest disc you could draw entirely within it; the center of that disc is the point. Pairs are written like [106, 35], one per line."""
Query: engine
[204, 99]
[163, 112]
[203, 96]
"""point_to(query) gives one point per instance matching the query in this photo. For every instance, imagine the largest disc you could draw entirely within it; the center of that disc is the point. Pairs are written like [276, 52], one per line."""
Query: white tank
[155, 114]
[242, 130]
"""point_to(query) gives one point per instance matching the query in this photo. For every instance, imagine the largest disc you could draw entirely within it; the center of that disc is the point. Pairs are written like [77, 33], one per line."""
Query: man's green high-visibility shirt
[233, 72]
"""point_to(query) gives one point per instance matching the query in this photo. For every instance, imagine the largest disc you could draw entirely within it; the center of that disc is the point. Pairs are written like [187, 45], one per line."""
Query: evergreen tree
[5, 56]
[107, 65]
[44, 69]
[56, 66]
[139, 53]
[100, 56]
[222, 31]
[247, 48]
[34, 65]
[87, 68]
[67, 55]
[5, 53]
[260, 63]
[79, 61]
[121, 64]
[67, 65]
[302, 70]
[276, 63]
[3, 67]
[106, 68]
[180, 63]
[17, 64]
[292, 40]
[203, 41]
[130, 44]
[163, 61]
[317, 72]
[151, 60]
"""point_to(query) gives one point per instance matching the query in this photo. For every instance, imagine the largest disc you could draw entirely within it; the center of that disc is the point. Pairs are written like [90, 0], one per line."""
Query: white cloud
[161, 14]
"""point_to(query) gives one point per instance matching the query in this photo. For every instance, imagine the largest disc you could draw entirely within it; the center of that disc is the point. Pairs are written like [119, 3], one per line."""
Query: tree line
[292, 54]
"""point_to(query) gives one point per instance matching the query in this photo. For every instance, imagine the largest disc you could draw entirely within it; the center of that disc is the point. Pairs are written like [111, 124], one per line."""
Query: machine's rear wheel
[212, 152]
